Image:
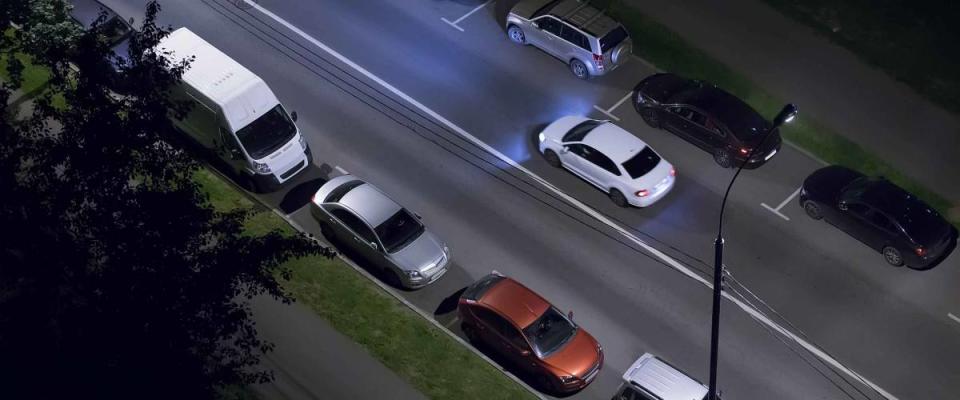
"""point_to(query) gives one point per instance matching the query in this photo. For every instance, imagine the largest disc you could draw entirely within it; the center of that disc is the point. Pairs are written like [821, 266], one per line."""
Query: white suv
[650, 378]
[608, 157]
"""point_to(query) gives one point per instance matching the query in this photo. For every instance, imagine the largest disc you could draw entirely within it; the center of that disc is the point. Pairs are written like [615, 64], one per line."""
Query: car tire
[650, 117]
[892, 256]
[516, 35]
[470, 332]
[391, 278]
[552, 158]
[723, 158]
[545, 384]
[618, 198]
[579, 69]
[813, 210]
[248, 184]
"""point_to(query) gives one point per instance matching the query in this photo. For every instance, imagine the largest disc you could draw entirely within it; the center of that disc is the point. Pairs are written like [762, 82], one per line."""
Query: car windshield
[612, 39]
[267, 133]
[549, 332]
[579, 132]
[641, 163]
[399, 230]
[114, 29]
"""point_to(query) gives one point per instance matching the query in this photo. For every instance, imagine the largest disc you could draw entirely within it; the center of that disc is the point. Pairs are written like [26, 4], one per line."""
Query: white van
[235, 115]
[650, 378]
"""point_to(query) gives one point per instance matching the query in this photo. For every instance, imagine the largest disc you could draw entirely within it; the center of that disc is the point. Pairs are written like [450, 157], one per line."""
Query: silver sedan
[359, 216]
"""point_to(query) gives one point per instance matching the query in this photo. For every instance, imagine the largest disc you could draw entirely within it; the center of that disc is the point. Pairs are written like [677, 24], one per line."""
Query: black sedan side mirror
[293, 116]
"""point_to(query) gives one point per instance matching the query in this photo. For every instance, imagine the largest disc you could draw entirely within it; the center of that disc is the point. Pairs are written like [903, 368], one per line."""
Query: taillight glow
[744, 151]
[643, 193]
[920, 251]
[673, 172]
[598, 60]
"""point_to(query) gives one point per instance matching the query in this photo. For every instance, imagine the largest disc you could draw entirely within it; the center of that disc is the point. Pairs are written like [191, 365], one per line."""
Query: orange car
[527, 330]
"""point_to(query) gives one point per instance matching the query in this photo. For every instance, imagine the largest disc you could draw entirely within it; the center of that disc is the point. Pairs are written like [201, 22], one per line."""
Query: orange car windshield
[549, 332]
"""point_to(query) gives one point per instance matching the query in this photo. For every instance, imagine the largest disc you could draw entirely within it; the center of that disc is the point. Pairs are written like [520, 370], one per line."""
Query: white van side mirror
[293, 116]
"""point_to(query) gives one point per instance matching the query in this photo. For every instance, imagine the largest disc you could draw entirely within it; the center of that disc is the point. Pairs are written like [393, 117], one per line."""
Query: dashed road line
[954, 317]
[457, 21]
[609, 111]
[783, 203]
[666, 259]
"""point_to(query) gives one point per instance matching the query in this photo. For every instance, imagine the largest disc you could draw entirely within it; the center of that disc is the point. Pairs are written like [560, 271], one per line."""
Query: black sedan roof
[921, 221]
[87, 11]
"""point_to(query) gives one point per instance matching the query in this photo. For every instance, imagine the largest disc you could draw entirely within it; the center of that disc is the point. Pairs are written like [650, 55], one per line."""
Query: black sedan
[708, 117]
[880, 214]
[92, 14]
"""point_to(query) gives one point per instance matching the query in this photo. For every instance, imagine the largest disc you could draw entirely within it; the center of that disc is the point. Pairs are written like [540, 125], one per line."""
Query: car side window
[881, 221]
[713, 127]
[600, 160]
[549, 24]
[683, 112]
[354, 223]
[501, 326]
[573, 36]
[857, 209]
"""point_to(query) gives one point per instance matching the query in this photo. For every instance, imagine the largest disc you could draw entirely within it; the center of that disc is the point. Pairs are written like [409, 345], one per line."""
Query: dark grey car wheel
[552, 158]
[723, 158]
[618, 198]
[470, 332]
[893, 256]
[650, 117]
[813, 209]
[579, 69]
[516, 35]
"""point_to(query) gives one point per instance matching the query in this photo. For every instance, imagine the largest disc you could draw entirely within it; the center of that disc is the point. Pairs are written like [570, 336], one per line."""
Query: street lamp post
[786, 114]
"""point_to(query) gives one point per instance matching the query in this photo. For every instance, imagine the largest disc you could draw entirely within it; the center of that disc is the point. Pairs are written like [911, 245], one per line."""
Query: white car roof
[663, 380]
[614, 142]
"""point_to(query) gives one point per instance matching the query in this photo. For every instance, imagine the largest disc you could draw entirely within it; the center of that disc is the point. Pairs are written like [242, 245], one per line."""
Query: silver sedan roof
[370, 204]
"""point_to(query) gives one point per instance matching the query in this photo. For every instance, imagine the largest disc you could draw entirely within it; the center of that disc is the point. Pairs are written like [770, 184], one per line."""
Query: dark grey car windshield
[267, 133]
[549, 332]
[641, 163]
[579, 132]
[399, 230]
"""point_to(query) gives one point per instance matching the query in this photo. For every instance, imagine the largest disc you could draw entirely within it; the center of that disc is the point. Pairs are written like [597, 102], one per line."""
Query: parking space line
[596, 215]
[341, 170]
[954, 317]
[609, 111]
[783, 203]
[457, 21]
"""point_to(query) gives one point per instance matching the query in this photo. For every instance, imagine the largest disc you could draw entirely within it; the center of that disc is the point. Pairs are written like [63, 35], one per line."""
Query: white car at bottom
[608, 157]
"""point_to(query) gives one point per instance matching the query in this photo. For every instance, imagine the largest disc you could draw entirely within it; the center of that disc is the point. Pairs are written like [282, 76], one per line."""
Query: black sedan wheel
[723, 158]
[650, 117]
[813, 209]
[892, 255]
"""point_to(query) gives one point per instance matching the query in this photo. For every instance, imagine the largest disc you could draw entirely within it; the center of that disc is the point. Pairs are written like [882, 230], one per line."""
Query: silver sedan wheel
[516, 34]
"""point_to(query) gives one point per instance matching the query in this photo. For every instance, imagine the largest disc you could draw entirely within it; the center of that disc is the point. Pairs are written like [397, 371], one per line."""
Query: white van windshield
[267, 133]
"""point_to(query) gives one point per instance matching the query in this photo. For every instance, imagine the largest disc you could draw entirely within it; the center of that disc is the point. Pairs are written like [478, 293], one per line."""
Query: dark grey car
[582, 36]
[377, 229]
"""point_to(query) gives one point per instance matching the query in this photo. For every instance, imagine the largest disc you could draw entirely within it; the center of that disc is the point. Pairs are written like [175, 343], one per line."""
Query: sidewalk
[827, 82]
[319, 362]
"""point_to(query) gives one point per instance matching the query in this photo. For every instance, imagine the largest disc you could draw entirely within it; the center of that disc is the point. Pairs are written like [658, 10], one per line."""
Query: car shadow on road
[302, 188]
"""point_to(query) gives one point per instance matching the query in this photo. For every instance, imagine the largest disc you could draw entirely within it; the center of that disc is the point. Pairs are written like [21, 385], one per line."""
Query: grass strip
[668, 51]
[417, 351]
[34, 76]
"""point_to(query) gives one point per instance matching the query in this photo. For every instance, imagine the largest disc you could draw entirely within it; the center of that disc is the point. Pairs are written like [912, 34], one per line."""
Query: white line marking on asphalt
[609, 111]
[341, 170]
[954, 317]
[783, 203]
[454, 23]
[583, 207]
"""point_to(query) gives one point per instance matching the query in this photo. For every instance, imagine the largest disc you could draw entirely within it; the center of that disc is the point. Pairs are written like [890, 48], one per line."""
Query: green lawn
[669, 52]
[913, 41]
[34, 76]
[431, 361]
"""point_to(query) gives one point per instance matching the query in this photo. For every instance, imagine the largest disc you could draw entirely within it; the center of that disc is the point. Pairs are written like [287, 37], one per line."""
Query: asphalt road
[889, 324]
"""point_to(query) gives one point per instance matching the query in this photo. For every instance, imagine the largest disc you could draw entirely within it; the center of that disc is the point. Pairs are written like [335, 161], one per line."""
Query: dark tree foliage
[117, 279]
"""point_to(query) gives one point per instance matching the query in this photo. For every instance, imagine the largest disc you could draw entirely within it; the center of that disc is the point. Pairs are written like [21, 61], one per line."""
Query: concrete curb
[389, 290]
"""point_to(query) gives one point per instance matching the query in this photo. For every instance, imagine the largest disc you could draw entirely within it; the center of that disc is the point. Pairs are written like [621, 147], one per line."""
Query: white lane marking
[782, 203]
[609, 111]
[954, 317]
[457, 21]
[583, 207]
[341, 170]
